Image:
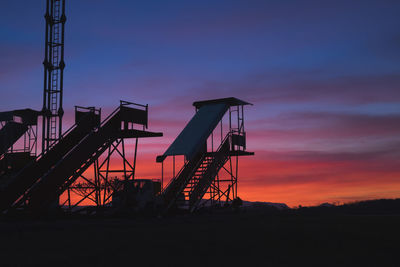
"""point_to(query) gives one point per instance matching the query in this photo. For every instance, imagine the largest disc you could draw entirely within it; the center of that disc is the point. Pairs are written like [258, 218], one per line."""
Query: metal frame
[53, 73]
[224, 188]
[27, 143]
[98, 185]
[102, 182]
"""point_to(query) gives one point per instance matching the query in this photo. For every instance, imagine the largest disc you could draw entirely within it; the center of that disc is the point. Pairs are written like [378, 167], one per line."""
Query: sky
[324, 78]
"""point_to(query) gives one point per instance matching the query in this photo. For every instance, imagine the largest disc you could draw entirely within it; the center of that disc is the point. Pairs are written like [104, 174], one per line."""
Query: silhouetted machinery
[75, 167]
[35, 182]
[17, 125]
[138, 194]
[38, 185]
[208, 153]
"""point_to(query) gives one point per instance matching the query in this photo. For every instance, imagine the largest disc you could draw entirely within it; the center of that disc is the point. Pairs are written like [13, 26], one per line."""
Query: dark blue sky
[324, 75]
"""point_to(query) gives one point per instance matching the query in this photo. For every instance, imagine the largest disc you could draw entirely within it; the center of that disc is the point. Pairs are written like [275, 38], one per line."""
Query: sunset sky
[324, 78]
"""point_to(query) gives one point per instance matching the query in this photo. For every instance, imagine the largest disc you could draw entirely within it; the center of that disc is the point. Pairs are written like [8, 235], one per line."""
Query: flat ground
[246, 238]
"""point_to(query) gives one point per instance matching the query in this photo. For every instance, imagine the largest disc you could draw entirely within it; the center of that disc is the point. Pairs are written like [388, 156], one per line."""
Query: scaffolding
[113, 166]
[211, 148]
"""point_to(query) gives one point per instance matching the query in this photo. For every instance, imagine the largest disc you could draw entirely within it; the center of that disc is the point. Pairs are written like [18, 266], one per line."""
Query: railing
[23, 197]
[127, 103]
[68, 131]
[182, 186]
[228, 135]
[183, 168]
[105, 121]
[219, 158]
[201, 159]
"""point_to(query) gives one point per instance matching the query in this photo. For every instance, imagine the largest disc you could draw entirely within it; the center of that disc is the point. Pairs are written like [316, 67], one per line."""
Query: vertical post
[123, 158]
[45, 63]
[238, 119]
[162, 176]
[219, 189]
[69, 198]
[96, 183]
[106, 177]
[242, 119]
[35, 133]
[236, 176]
[230, 119]
[63, 19]
[232, 177]
[134, 159]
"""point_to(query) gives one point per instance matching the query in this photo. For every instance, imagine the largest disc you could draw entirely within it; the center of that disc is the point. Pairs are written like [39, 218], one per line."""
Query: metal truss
[95, 187]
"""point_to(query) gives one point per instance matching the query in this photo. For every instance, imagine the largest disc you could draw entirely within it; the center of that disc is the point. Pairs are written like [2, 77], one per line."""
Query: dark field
[245, 238]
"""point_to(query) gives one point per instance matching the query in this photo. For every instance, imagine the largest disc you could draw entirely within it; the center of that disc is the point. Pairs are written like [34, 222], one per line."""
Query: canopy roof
[196, 132]
[230, 101]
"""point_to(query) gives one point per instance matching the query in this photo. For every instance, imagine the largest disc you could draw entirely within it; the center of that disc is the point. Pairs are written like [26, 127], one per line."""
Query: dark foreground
[246, 238]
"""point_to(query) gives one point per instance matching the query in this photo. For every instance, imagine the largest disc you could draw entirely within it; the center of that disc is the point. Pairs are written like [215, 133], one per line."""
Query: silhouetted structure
[14, 125]
[200, 172]
[111, 135]
[34, 183]
[18, 141]
[38, 186]
[53, 73]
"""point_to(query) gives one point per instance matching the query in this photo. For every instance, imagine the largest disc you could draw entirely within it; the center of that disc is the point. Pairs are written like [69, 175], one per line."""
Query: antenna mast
[53, 73]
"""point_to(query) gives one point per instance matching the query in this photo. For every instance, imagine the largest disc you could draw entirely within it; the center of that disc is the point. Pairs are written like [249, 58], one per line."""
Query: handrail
[90, 133]
[217, 165]
[127, 103]
[73, 126]
[202, 157]
[88, 108]
[25, 194]
[229, 134]
[200, 160]
[54, 143]
[181, 170]
[110, 116]
[61, 138]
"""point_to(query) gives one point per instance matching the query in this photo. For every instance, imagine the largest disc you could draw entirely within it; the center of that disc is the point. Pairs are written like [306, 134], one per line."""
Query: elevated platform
[233, 153]
[138, 134]
[15, 124]
[28, 116]
[22, 181]
[199, 174]
[84, 152]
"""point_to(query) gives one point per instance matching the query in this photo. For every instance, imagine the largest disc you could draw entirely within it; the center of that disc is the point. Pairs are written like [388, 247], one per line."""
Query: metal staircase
[196, 176]
[213, 162]
[176, 187]
[47, 190]
[18, 185]
[200, 173]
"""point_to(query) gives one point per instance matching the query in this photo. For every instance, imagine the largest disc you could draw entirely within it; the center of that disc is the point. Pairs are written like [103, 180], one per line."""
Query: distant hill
[377, 206]
[258, 204]
[368, 207]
